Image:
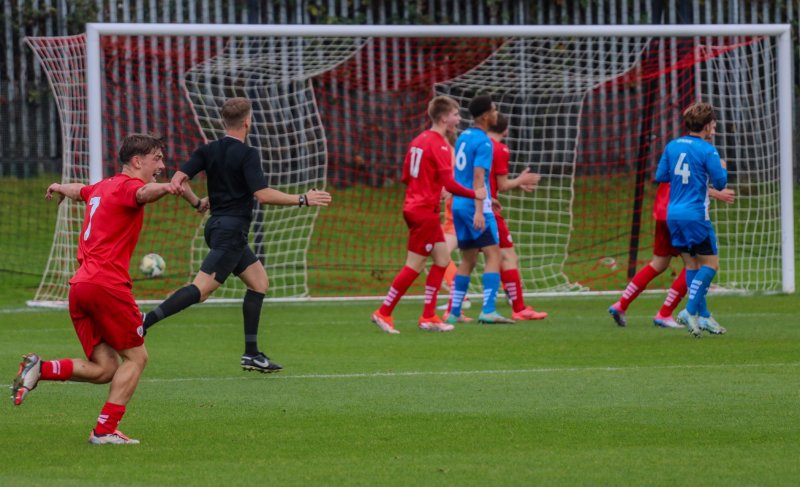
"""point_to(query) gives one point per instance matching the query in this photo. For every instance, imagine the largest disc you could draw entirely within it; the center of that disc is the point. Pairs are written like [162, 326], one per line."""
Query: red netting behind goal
[372, 106]
[591, 115]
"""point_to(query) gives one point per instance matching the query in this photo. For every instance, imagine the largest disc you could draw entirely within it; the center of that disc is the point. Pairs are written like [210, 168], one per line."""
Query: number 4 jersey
[689, 163]
[110, 231]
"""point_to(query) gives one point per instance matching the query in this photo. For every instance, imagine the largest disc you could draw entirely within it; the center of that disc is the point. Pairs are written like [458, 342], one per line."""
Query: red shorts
[424, 231]
[502, 230]
[662, 244]
[102, 314]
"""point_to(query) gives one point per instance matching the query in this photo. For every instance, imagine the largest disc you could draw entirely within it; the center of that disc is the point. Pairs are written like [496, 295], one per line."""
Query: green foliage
[80, 12]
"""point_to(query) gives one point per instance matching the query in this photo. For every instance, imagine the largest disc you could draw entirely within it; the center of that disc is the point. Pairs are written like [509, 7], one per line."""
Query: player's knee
[106, 374]
[143, 358]
[510, 261]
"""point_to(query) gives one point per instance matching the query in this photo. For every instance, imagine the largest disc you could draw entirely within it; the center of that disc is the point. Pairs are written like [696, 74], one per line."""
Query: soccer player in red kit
[105, 316]
[426, 170]
[499, 181]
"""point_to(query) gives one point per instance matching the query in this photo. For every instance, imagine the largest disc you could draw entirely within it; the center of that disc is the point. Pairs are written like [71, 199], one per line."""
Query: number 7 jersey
[429, 154]
[110, 231]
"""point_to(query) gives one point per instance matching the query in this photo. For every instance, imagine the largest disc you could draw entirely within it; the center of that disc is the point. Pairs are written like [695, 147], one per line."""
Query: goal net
[591, 114]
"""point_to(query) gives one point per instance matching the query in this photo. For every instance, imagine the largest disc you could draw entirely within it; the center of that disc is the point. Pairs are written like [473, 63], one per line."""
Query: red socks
[403, 281]
[674, 295]
[513, 285]
[637, 285]
[57, 369]
[432, 285]
[109, 418]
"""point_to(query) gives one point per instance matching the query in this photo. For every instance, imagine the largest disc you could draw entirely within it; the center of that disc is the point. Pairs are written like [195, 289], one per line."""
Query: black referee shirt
[234, 173]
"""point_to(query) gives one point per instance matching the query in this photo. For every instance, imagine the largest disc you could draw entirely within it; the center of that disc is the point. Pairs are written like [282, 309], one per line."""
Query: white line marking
[542, 370]
[421, 373]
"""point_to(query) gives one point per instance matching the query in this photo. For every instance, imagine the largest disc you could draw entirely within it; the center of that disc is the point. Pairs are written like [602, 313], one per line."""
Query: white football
[152, 265]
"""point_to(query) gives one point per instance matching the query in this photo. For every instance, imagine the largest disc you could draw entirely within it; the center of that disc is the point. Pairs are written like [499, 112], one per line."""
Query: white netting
[276, 74]
[592, 115]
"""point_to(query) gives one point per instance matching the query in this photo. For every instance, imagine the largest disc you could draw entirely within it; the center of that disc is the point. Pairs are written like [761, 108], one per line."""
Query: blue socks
[491, 282]
[698, 287]
[460, 287]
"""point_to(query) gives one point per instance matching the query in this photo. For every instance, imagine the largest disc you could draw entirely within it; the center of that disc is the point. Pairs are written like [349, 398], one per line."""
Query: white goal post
[607, 45]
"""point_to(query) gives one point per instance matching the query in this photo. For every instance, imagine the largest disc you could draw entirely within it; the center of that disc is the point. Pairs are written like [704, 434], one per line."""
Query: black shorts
[485, 239]
[226, 236]
[705, 247]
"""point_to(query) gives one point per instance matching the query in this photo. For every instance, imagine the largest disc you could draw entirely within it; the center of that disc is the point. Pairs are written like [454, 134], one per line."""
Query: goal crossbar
[781, 32]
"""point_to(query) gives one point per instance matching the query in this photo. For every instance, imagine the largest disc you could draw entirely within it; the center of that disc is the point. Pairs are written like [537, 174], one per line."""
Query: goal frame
[782, 32]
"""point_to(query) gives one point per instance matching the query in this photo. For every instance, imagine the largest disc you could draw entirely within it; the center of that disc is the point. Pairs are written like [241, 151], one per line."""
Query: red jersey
[500, 157]
[429, 154]
[110, 231]
[662, 200]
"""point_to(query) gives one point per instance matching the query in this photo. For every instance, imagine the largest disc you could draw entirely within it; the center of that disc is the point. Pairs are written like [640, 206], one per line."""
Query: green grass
[572, 400]
[357, 246]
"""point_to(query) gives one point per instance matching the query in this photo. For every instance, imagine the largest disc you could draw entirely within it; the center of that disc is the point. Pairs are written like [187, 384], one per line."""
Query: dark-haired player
[101, 305]
[475, 225]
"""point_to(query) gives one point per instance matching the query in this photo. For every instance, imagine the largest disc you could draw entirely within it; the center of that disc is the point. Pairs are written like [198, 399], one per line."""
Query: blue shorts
[470, 238]
[693, 237]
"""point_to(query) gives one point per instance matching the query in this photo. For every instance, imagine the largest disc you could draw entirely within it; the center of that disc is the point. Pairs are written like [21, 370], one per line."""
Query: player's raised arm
[69, 190]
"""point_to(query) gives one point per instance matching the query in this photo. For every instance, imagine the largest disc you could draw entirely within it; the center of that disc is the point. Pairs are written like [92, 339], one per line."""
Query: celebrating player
[426, 170]
[688, 164]
[235, 177]
[499, 181]
[475, 225]
[101, 305]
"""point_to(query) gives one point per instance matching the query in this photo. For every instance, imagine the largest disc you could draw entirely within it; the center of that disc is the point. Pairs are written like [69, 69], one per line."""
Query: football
[152, 265]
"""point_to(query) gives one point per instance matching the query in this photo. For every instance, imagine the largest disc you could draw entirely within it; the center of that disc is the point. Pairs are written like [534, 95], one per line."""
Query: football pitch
[571, 400]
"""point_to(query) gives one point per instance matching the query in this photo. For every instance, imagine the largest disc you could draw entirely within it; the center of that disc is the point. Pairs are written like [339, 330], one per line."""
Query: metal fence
[30, 139]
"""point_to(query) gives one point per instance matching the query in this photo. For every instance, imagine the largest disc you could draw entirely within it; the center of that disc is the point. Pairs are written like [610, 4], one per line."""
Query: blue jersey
[689, 163]
[473, 149]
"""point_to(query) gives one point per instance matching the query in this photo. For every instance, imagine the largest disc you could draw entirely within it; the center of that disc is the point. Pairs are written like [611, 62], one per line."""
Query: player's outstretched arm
[726, 195]
[270, 196]
[151, 192]
[69, 190]
[176, 183]
[451, 186]
[526, 181]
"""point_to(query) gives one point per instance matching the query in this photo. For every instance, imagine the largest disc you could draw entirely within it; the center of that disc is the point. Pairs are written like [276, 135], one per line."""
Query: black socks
[251, 312]
[180, 300]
